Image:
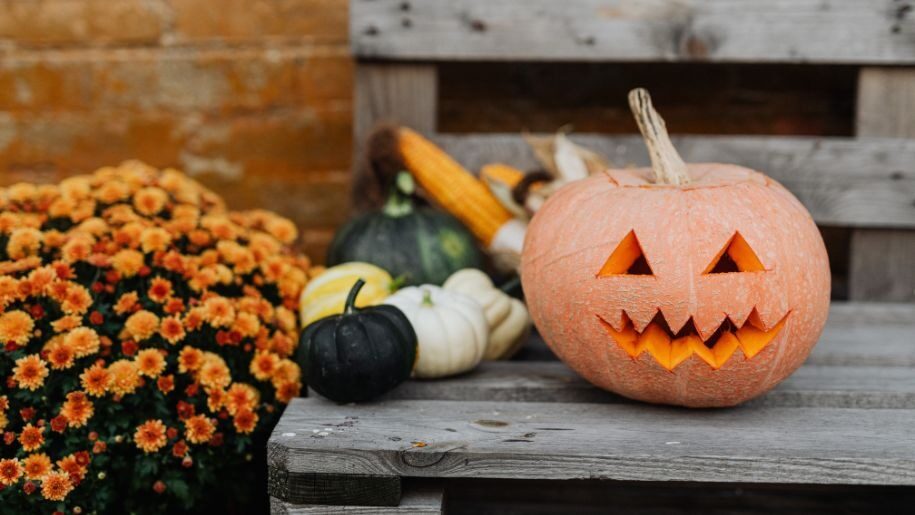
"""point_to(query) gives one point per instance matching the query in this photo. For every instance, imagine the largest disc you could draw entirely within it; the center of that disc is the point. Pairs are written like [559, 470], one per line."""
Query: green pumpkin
[420, 244]
[358, 355]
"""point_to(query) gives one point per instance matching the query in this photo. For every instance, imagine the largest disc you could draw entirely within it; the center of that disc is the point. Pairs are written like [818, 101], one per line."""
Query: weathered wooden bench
[845, 418]
[532, 437]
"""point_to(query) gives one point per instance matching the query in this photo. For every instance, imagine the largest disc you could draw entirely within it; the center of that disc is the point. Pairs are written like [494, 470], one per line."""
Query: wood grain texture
[882, 263]
[421, 499]
[811, 386]
[522, 440]
[332, 489]
[403, 93]
[841, 181]
[828, 31]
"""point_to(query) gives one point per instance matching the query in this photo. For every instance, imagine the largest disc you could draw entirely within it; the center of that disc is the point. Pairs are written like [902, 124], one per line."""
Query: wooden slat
[553, 381]
[823, 31]
[882, 263]
[422, 499]
[401, 93]
[873, 313]
[406, 94]
[841, 181]
[524, 440]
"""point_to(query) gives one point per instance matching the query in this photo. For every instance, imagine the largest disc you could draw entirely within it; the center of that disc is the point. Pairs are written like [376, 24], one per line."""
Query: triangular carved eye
[736, 256]
[627, 259]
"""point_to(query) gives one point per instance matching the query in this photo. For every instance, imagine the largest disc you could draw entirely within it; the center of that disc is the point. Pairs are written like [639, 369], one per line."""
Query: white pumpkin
[451, 329]
[507, 317]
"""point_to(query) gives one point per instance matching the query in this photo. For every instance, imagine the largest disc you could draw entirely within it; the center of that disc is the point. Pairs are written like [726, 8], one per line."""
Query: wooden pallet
[845, 418]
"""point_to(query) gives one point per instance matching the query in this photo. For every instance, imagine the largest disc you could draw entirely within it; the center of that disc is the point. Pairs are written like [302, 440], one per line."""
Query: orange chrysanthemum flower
[31, 437]
[241, 397]
[36, 466]
[245, 421]
[16, 326]
[149, 201]
[142, 324]
[150, 362]
[77, 301]
[10, 471]
[24, 242]
[218, 311]
[56, 486]
[126, 303]
[77, 409]
[282, 229]
[125, 378]
[264, 364]
[159, 290]
[66, 323]
[150, 436]
[216, 398]
[190, 359]
[30, 372]
[95, 380]
[83, 340]
[246, 324]
[72, 467]
[214, 373]
[60, 355]
[172, 330]
[154, 239]
[199, 429]
[288, 391]
[286, 371]
[110, 192]
[127, 262]
[193, 319]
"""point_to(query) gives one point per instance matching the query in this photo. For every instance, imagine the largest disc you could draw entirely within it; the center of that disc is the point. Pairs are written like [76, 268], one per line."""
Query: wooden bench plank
[793, 31]
[553, 381]
[842, 181]
[422, 499]
[448, 439]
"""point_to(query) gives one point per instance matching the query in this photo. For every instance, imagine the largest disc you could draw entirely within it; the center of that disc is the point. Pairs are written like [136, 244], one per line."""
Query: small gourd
[451, 329]
[325, 295]
[359, 354]
[507, 317]
[418, 244]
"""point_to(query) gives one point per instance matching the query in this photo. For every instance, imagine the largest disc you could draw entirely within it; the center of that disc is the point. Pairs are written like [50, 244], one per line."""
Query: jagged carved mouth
[670, 349]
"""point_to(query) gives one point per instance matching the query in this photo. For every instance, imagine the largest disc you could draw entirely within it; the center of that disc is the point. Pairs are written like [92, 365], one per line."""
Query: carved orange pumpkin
[697, 285]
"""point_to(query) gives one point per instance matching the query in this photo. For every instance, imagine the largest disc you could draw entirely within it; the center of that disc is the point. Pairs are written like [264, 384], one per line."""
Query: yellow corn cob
[451, 186]
[502, 173]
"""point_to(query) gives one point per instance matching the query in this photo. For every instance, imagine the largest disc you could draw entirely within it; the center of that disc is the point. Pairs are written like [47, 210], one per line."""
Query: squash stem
[427, 298]
[350, 304]
[667, 164]
[400, 198]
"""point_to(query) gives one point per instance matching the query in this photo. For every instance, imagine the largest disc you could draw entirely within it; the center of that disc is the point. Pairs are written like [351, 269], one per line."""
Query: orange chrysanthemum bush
[147, 334]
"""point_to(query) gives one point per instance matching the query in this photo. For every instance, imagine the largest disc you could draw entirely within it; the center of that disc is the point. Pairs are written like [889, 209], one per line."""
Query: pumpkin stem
[667, 164]
[350, 304]
[400, 198]
[427, 298]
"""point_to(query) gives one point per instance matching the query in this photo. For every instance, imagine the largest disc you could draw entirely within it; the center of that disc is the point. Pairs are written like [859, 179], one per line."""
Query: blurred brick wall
[252, 97]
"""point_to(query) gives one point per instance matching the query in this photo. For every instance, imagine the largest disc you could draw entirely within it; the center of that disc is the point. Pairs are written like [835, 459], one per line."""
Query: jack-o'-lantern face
[715, 345]
[703, 295]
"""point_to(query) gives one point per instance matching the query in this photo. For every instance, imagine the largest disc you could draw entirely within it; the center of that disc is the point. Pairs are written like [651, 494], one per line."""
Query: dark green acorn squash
[420, 244]
[358, 355]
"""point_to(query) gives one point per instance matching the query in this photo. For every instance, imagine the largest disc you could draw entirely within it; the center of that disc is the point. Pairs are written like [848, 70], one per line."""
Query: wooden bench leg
[333, 489]
[882, 262]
